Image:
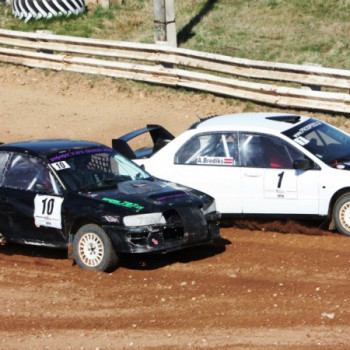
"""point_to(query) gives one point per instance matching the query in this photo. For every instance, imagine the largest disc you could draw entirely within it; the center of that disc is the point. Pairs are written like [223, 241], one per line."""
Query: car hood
[147, 196]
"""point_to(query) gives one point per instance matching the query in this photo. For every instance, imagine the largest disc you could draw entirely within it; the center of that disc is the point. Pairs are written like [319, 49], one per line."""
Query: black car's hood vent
[159, 197]
[138, 187]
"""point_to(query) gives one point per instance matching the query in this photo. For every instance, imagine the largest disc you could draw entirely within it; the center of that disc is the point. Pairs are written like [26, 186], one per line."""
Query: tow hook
[2, 240]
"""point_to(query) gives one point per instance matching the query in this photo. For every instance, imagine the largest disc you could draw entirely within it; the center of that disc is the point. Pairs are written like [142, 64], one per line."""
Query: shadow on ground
[156, 261]
[129, 261]
[33, 251]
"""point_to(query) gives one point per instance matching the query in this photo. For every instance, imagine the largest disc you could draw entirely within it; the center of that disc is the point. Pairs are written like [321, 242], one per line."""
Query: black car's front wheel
[341, 214]
[93, 249]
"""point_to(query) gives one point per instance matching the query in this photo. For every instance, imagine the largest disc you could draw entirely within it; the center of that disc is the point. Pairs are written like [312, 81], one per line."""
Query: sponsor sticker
[215, 160]
[62, 156]
[171, 196]
[110, 218]
[307, 128]
[302, 141]
[125, 204]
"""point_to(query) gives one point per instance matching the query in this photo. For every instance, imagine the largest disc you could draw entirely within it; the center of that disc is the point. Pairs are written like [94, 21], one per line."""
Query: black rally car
[92, 201]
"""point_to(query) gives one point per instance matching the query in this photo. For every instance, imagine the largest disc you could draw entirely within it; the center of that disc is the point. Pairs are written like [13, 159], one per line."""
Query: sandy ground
[256, 288]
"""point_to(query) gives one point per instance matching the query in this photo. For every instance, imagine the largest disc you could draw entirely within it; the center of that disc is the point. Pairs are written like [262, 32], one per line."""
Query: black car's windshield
[92, 169]
[324, 141]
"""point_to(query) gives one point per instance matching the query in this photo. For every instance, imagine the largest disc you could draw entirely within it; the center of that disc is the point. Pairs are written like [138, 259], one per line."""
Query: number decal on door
[280, 176]
[47, 211]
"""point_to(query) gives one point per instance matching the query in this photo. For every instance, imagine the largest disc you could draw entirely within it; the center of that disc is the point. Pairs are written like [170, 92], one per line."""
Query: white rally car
[256, 163]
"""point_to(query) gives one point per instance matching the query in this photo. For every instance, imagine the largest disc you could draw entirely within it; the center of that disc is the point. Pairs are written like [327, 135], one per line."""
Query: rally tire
[341, 214]
[93, 249]
[36, 9]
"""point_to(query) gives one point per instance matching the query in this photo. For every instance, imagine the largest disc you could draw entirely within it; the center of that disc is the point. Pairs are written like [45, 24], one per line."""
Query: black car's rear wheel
[93, 249]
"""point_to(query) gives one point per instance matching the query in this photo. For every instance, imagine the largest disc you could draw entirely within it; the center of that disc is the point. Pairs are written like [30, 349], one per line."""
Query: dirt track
[253, 289]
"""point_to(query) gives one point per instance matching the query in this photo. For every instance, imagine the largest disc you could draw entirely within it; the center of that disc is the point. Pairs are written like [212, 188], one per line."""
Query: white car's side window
[261, 151]
[210, 149]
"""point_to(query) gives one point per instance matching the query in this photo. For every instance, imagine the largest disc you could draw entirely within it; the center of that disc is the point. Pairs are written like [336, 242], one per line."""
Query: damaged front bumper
[183, 228]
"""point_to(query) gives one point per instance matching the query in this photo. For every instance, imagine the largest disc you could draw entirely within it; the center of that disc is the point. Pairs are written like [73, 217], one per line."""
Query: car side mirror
[302, 164]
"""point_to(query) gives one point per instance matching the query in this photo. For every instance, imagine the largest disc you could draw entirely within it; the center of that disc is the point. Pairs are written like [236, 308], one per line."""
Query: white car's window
[324, 141]
[219, 149]
[29, 173]
[262, 151]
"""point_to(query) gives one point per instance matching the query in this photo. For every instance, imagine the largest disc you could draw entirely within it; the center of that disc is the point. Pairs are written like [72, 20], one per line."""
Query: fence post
[164, 22]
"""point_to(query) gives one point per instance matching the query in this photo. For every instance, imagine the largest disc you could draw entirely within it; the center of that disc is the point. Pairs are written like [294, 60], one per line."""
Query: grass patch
[132, 22]
[294, 31]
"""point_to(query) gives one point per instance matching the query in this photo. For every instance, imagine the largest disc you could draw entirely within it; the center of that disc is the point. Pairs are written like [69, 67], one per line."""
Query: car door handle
[3, 199]
[253, 174]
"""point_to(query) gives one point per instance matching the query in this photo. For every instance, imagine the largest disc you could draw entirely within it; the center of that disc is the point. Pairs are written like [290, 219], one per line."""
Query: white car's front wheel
[93, 249]
[341, 214]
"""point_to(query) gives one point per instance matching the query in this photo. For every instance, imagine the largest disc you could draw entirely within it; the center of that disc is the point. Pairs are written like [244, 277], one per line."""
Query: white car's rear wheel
[341, 214]
[93, 249]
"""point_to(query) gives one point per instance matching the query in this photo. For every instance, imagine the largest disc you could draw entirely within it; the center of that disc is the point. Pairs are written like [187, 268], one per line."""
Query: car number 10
[48, 206]
[47, 211]
[62, 165]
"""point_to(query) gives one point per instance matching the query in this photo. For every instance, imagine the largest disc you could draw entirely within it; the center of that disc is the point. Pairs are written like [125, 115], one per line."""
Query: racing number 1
[280, 175]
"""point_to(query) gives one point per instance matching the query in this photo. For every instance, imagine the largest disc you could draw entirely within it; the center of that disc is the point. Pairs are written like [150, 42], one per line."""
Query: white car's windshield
[93, 169]
[324, 141]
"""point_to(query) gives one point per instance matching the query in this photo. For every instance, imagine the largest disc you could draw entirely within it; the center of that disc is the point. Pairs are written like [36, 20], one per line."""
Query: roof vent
[292, 119]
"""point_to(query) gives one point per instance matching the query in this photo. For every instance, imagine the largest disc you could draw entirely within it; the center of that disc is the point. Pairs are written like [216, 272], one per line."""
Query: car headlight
[211, 208]
[144, 219]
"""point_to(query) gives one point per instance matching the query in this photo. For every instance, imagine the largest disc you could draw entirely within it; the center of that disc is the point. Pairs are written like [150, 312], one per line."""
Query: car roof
[48, 147]
[277, 122]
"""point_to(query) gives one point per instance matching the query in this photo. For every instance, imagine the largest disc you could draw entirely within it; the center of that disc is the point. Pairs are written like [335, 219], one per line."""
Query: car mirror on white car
[303, 164]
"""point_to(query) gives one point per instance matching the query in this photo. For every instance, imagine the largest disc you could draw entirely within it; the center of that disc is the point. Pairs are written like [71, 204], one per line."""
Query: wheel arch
[335, 197]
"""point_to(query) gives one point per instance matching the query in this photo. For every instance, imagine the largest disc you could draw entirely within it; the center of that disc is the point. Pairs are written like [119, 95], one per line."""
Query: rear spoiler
[160, 137]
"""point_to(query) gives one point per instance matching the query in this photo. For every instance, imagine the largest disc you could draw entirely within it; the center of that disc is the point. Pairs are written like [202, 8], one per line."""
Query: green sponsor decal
[123, 203]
